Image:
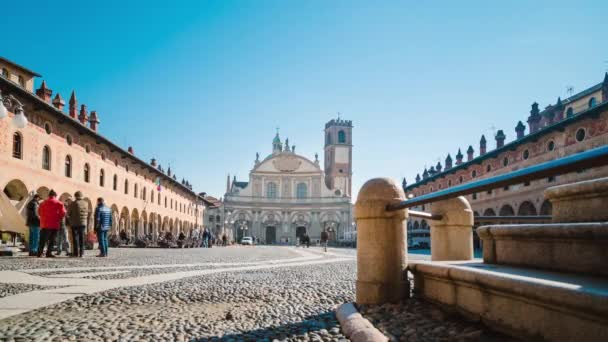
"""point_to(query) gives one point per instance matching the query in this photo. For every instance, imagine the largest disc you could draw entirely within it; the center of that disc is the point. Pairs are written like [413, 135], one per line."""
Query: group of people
[50, 219]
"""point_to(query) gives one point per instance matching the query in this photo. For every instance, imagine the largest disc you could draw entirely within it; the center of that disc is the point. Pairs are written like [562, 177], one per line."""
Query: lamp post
[19, 120]
[243, 228]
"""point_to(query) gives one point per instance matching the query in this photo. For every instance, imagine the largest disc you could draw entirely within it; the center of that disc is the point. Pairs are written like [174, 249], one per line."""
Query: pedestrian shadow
[322, 325]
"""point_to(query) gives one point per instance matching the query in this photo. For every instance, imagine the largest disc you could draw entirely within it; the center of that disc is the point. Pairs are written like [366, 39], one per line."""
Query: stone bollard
[381, 243]
[452, 237]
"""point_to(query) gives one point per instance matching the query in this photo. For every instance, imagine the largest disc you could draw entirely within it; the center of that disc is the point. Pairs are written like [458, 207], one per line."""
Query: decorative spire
[83, 117]
[44, 93]
[73, 105]
[93, 120]
[519, 129]
[534, 118]
[438, 167]
[425, 174]
[448, 162]
[277, 146]
[417, 177]
[482, 145]
[459, 157]
[404, 184]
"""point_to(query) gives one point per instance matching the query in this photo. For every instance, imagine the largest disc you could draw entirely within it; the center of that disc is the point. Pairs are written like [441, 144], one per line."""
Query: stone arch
[489, 212]
[506, 210]
[115, 219]
[123, 223]
[134, 225]
[144, 223]
[526, 208]
[546, 208]
[65, 197]
[424, 225]
[416, 225]
[16, 190]
[90, 218]
[271, 216]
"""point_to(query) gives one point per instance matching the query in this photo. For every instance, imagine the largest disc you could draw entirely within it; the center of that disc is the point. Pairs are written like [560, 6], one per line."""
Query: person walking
[78, 215]
[324, 239]
[103, 219]
[224, 240]
[33, 222]
[51, 213]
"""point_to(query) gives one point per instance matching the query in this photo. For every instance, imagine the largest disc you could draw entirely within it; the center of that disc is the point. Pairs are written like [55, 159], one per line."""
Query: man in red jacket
[51, 213]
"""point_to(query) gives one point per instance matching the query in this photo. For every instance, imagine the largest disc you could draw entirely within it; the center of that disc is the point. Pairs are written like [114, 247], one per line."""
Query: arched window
[115, 183]
[592, 102]
[341, 137]
[507, 210]
[569, 112]
[159, 198]
[526, 208]
[152, 196]
[135, 191]
[144, 194]
[68, 166]
[271, 190]
[87, 173]
[46, 158]
[165, 201]
[17, 146]
[102, 177]
[126, 186]
[301, 190]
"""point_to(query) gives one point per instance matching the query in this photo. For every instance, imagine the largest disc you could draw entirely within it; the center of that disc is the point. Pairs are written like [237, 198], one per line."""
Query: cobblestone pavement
[235, 293]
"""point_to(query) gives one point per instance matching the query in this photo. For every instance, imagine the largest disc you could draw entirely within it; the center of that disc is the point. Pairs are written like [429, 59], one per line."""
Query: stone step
[522, 302]
[567, 247]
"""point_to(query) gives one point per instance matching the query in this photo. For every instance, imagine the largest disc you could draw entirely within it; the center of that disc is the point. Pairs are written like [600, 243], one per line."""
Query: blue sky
[201, 85]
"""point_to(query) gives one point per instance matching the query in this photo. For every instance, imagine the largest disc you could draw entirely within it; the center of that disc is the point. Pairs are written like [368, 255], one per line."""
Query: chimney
[58, 102]
[130, 150]
[448, 162]
[93, 121]
[482, 145]
[500, 138]
[534, 118]
[459, 157]
[470, 152]
[438, 167]
[73, 106]
[519, 129]
[559, 110]
[153, 162]
[44, 93]
[83, 117]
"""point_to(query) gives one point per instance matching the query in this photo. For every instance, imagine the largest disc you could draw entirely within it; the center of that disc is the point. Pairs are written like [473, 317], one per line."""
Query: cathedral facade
[288, 195]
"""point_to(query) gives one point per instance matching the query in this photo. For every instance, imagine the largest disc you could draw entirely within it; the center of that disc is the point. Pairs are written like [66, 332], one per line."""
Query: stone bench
[527, 303]
[568, 247]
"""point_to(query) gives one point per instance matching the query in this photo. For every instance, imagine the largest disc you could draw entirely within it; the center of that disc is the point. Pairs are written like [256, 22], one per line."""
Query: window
[550, 146]
[46, 158]
[68, 139]
[301, 190]
[592, 102]
[126, 186]
[47, 128]
[449, 182]
[102, 178]
[87, 148]
[21, 81]
[135, 191]
[165, 201]
[527, 183]
[488, 168]
[505, 161]
[526, 154]
[171, 204]
[5, 73]
[103, 156]
[474, 174]
[569, 112]
[115, 183]
[152, 196]
[87, 171]
[341, 137]
[68, 166]
[271, 190]
[580, 134]
[159, 198]
[144, 194]
[551, 179]
[460, 179]
[474, 196]
[17, 146]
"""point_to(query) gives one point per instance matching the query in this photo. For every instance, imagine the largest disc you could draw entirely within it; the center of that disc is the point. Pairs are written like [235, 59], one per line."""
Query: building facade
[569, 126]
[288, 195]
[65, 152]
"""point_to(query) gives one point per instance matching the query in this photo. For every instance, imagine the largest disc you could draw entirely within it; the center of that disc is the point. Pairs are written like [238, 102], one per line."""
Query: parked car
[247, 240]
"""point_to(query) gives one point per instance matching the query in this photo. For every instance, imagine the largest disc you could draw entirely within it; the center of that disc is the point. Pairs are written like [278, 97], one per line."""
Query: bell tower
[339, 155]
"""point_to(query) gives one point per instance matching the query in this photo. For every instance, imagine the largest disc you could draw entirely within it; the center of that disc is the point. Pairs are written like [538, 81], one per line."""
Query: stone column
[452, 237]
[381, 243]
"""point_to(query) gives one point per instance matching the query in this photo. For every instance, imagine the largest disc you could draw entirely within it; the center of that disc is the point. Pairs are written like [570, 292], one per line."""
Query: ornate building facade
[569, 126]
[288, 195]
[65, 152]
